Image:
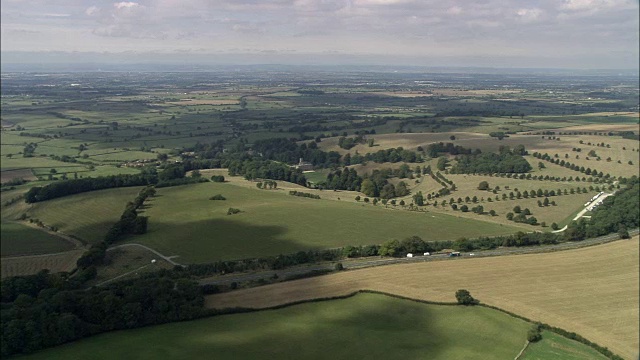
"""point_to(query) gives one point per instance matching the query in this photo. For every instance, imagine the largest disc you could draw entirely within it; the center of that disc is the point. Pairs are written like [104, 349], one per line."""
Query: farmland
[545, 287]
[384, 328]
[174, 131]
[272, 223]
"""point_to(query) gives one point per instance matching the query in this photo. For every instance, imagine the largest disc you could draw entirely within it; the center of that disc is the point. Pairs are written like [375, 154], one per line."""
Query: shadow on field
[216, 239]
[365, 326]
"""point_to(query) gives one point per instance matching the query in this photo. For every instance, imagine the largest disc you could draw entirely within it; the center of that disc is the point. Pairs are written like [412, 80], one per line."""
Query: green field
[183, 221]
[366, 326]
[20, 239]
[557, 347]
[87, 216]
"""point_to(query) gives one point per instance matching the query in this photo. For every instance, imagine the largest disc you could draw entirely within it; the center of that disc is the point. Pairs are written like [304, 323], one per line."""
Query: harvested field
[8, 175]
[29, 265]
[550, 287]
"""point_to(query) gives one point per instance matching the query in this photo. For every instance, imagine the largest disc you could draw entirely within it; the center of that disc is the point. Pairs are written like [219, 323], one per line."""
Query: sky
[581, 34]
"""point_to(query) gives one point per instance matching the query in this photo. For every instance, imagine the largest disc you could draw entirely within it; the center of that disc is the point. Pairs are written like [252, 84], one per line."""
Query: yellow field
[29, 265]
[592, 291]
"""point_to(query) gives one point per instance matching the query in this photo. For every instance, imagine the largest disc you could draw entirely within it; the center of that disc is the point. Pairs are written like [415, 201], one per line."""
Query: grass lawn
[366, 326]
[183, 221]
[557, 347]
[18, 239]
[88, 215]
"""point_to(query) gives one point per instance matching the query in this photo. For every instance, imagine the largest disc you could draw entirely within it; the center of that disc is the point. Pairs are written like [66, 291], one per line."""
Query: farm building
[304, 166]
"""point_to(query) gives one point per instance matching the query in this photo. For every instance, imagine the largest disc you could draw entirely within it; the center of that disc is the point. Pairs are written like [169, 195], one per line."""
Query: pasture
[360, 327]
[558, 347]
[549, 287]
[87, 216]
[183, 221]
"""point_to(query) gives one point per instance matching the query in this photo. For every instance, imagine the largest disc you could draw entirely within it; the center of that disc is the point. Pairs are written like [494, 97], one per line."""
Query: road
[351, 264]
[166, 258]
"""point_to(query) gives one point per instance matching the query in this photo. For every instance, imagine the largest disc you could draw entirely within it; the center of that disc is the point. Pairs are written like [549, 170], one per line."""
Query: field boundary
[572, 336]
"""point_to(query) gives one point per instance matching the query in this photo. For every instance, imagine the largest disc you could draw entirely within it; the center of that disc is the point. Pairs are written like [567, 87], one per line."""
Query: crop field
[87, 216]
[183, 221]
[18, 239]
[359, 327]
[29, 265]
[549, 287]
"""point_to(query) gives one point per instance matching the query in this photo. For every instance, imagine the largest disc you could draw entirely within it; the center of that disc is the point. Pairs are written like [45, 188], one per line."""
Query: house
[304, 166]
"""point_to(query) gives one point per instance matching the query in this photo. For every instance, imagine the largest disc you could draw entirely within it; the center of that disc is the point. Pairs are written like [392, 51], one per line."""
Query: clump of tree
[304, 194]
[464, 298]
[347, 143]
[535, 333]
[217, 178]
[505, 161]
[267, 184]
[218, 197]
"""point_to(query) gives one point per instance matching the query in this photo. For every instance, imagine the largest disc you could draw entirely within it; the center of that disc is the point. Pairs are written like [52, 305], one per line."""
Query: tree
[510, 216]
[401, 189]
[622, 231]
[339, 267]
[368, 187]
[388, 191]
[535, 333]
[541, 165]
[357, 197]
[464, 208]
[464, 298]
[546, 201]
[517, 209]
[389, 248]
[492, 212]
[418, 199]
[526, 211]
[452, 137]
[554, 226]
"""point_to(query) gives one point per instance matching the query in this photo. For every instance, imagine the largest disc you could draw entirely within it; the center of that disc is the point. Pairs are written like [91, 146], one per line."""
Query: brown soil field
[403, 94]
[29, 265]
[593, 291]
[8, 175]
[204, 102]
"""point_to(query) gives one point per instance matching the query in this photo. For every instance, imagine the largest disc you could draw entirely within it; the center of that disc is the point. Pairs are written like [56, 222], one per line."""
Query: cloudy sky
[534, 33]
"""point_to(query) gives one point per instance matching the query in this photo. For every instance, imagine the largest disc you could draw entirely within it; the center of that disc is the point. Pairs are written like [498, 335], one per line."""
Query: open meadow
[550, 287]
